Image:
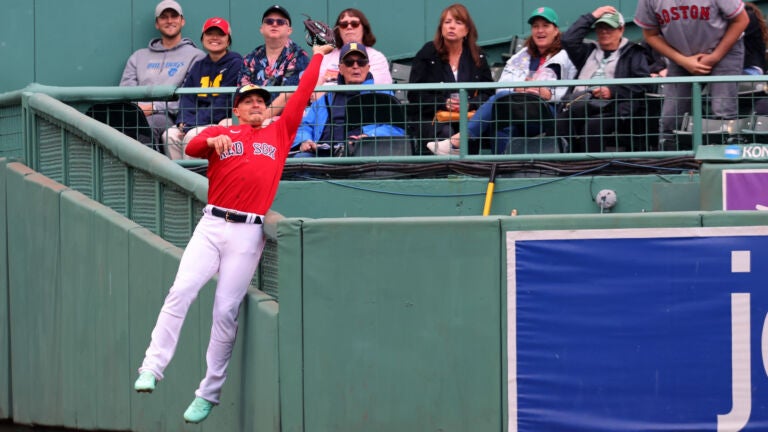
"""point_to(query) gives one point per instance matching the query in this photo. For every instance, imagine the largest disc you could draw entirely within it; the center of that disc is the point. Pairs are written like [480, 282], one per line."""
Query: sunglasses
[351, 62]
[273, 21]
[345, 24]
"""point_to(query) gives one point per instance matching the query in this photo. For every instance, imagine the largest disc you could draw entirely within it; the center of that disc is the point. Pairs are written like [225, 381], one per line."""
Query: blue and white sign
[638, 330]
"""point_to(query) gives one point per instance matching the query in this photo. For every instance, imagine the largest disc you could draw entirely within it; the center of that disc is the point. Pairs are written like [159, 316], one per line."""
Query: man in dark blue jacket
[218, 69]
[324, 126]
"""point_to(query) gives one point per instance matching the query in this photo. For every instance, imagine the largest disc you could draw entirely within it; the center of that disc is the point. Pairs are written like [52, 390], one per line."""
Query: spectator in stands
[657, 64]
[353, 26]
[218, 69]
[279, 62]
[542, 59]
[165, 61]
[695, 46]
[451, 56]
[594, 112]
[323, 130]
[755, 37]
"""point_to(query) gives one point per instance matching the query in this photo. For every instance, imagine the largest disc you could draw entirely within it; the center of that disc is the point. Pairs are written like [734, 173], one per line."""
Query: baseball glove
[318, 33]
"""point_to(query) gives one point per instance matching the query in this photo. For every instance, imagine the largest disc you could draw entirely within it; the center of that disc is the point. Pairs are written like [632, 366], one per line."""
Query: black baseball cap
[277, 9]
[247, 89]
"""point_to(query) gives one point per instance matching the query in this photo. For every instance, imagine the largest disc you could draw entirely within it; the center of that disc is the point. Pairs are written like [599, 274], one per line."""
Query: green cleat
[198, 410]
[145, 383]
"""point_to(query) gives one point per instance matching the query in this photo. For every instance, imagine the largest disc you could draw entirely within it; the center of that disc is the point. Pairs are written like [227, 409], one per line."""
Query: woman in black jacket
[611, 56]
[452, 56]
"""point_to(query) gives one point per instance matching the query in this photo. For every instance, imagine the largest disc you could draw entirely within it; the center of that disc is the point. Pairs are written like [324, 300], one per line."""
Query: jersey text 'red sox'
[263, 150]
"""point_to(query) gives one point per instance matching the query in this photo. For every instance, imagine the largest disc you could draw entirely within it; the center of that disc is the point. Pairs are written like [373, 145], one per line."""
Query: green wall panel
[35, 297]
[606, 221]
[290, 326]
[5, 341]
[153, 267]
[261, 383]
[466, 196]
[90, 40]
[396, 316]
[95, 275]
[746, 218]
[18, 38]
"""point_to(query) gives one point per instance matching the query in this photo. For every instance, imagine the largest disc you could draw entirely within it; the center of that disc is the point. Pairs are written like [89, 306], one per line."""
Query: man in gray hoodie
[165, 62]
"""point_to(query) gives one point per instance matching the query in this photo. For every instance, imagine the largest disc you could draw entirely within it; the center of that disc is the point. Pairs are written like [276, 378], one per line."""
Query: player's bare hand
[602, 10]
[220, 144]
[322, 49]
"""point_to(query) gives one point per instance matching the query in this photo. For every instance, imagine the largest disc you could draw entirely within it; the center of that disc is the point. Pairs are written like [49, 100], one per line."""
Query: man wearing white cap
[165, 61]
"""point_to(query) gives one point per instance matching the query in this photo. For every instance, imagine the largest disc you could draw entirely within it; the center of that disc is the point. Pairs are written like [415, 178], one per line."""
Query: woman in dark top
[754, 41]
[452, 56]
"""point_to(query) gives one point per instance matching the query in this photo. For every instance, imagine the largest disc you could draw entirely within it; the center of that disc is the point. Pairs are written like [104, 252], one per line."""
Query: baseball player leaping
[245, 163]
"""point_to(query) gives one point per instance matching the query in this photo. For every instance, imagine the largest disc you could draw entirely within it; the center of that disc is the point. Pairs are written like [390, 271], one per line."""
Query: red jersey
[247, 176]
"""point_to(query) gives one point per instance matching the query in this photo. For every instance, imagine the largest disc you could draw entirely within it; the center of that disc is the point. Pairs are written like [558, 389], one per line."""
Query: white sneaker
[442, 147]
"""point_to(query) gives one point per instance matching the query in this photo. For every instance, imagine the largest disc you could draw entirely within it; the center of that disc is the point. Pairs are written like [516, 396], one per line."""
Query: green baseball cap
[614, 20]
[544, 12]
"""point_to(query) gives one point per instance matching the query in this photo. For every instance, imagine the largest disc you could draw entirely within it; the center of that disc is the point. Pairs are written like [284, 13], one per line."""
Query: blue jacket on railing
[316, 118]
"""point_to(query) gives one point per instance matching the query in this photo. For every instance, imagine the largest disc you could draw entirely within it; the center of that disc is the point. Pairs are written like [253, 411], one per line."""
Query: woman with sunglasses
[452, 56]
[352, 26]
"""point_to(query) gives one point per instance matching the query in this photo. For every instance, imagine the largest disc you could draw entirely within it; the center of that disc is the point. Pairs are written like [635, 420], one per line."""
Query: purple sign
[745, 189]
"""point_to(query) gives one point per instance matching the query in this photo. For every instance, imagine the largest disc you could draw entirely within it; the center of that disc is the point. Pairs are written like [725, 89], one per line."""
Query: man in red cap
[245, 163]
[218, 69]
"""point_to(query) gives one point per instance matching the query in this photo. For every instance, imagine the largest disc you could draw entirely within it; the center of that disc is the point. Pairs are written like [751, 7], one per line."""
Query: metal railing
[636, 136]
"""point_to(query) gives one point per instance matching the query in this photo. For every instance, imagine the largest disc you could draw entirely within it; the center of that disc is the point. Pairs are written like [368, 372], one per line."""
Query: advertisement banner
[638, 330]
[745, 189]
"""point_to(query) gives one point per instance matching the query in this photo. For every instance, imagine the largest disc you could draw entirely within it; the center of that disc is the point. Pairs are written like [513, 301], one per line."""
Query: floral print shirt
[286, 70]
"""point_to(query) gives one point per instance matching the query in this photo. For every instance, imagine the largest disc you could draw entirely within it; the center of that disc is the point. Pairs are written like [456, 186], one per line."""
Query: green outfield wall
[82, 286]
[382, 323]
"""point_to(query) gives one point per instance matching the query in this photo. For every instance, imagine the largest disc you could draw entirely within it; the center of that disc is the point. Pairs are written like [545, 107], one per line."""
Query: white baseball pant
[232, 249]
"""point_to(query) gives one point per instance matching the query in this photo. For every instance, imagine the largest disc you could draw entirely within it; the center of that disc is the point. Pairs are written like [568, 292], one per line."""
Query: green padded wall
[85, 287]
[466, 196]
[35, 296]
[260, 386]
[94, 310]
[395, 318]
[5, 341]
